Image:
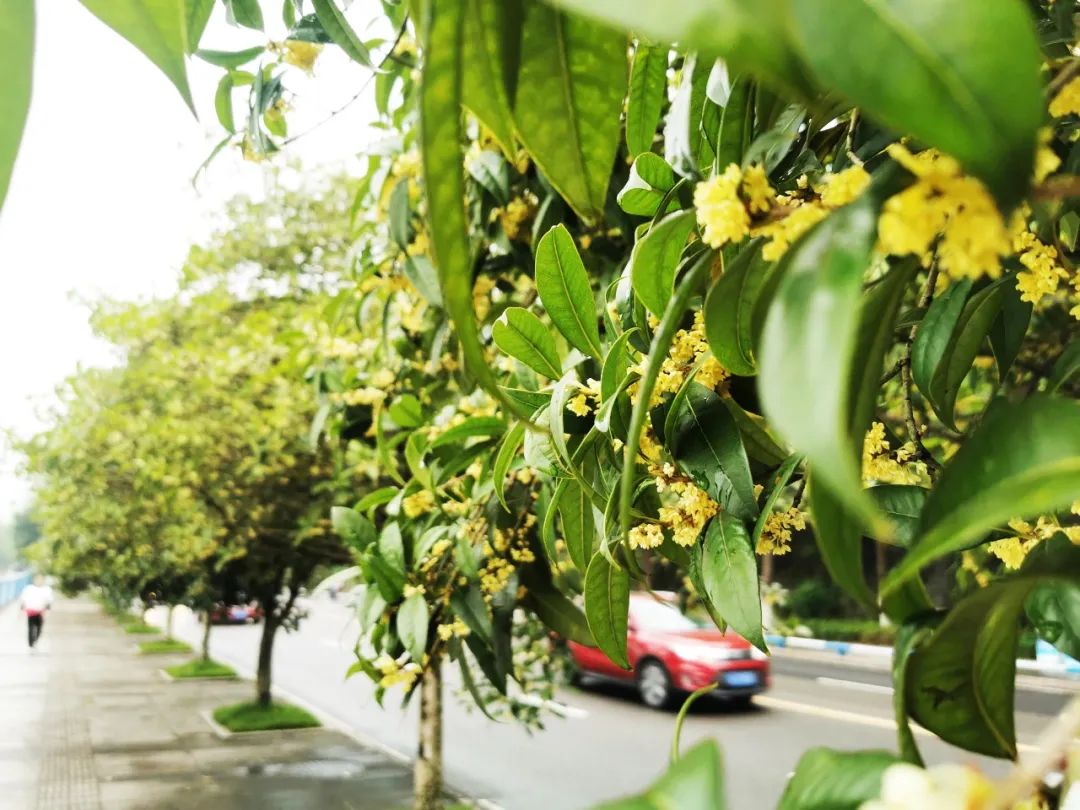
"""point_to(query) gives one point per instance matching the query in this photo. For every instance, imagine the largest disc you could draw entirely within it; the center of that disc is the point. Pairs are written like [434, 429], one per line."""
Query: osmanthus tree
[793, 263]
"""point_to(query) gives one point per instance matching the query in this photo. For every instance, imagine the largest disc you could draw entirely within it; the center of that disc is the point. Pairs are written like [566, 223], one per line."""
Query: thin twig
[363, 88]
[905, 377]
[1062, 78]
[1053, 744]
[892, 372]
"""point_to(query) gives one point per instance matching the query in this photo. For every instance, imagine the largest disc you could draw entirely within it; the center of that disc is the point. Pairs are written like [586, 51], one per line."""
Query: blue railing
[11, 586]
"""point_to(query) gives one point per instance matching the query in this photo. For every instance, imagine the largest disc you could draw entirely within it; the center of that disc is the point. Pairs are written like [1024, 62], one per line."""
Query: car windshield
[658, 616]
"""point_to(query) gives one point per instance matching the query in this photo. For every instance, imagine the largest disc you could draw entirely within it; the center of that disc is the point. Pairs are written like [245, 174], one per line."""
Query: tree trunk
[266, 655]
[206, 636]
[427, 784]
[767, 563]
[168, 622]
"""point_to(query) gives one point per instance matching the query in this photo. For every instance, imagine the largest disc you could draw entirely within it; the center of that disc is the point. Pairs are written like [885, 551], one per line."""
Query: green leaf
[230, 59]
[707, 444]
[552, 608]
[223, 103]
[491, 28]
[247, 13]
[695, 781]
[522, 335]
[579, 534]
[17, 68]
[729, 311]
[412, 625]
[1010, 327]
[908, 637]
[971, 330]
[198, 15]
[376, 498]
[650, 181]
[157, 29]
[961, 682]
[352, 527]
[565, 292]
[504, 457]
[777, 482]
[471, 428]
[571, 85]
[934, 333]
[760, 445]
[729, 572]
[1023, 460]
[1067, 364]
[809, 344]
[440, 139]
[1054, 611]
[339, 30]
[902, 504]
[469, 606]
[976, 97]
[826, 779]
[648, 90]
[406, 411]
[392, 547]
[607, 607]
[736, 124]
[655, 257]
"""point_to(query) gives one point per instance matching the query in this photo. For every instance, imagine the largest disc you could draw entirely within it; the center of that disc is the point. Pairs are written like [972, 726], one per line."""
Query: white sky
[101, 201]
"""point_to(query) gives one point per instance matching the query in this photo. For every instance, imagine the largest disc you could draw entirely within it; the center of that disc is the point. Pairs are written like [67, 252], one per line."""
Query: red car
[670, 654]
[222, 613]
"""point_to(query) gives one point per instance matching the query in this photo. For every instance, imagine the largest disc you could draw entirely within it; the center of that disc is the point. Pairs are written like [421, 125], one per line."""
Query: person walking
[35, 601]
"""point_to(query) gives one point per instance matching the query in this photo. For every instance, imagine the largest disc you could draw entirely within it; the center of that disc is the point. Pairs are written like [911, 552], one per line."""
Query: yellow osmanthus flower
[517, 216]
[760, 196]
[455, 628]
[840, 188]
[1013, 550]
[945, 206]
[394, 674]
[883, 464]
[301, 54]
[720, 212]
[1042, 273]
[776, 534]
[689, 513]
[419, 503]
[646, 535]
[481, 295]
[687, 348]
[1067, 100]
[579, 405]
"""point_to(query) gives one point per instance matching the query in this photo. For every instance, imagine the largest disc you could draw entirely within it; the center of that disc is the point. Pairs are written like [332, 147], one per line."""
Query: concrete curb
[223, 733]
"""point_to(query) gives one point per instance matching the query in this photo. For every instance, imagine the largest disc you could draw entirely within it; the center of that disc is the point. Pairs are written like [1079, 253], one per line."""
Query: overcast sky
[101, 201]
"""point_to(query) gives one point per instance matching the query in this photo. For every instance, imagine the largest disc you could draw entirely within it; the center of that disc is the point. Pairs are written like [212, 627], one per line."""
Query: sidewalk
[89, 724]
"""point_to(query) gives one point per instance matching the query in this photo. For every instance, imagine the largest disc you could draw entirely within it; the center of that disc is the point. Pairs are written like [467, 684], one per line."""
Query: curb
[223, 733]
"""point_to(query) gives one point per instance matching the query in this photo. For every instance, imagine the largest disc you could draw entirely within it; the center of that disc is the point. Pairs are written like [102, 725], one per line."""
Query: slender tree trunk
[427, 784]
[767, 563]
[206, 636]
[168, 622]
[881, 566]
[266, 655]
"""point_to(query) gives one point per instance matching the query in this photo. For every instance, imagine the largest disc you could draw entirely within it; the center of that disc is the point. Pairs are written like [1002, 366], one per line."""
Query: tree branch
[922, 453]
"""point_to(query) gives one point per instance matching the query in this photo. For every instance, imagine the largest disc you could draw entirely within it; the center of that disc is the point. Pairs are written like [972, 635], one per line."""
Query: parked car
[241, 613]
[670, 654]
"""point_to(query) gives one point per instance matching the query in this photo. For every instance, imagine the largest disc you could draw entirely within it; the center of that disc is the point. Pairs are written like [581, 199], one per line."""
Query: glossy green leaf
[198, 15]
[1010, 327]
[352, 527]
[729, 311]
[470, 607]
[693, 782]
[655, 258]
[809, 343]
[607, 607]
[392, 547]
[826, 779]
[961, 681]
[472, 428]
[648, 90]
[493, 31]
[339, 30]
[572, 82]
[565, 291]
[230, 59]
[934, 333]
[776, 484]
[736, 124]
[504, 457]
[553, 608]
[412, 625]
[650, 181]
[440, 138]
[157, 29]
[976, 96]
[1054, 611]
[578, 531]
[707, 445]
[523, 336]
[902, 504]
[729, 573]
[17, 68]
[761, 446]
[1023, 460]
[406, 411]
[376, 498]
[247, 13]
[1067, 364]
[908, 637]
[223, 105]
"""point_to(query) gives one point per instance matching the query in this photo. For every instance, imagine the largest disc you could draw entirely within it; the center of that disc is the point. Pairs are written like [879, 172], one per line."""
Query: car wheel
[742, 702]
[654, 685]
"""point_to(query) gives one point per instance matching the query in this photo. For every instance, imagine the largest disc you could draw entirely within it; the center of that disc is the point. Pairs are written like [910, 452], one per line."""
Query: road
[611, 745]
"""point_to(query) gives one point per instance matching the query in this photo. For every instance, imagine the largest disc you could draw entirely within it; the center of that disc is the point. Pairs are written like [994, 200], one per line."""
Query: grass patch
[253, 717]
[165, 645]
[140, 629]
[866, 631]
[201, 669]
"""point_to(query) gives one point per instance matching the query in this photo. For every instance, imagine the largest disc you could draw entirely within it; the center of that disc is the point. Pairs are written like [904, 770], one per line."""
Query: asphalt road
[611, 745]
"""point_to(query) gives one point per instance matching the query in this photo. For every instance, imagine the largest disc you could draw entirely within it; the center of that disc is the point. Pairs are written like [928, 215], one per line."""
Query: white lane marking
[858, 686]
[851, 717]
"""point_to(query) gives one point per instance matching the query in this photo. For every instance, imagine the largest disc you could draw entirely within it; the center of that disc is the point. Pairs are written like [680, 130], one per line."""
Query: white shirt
[36, 598]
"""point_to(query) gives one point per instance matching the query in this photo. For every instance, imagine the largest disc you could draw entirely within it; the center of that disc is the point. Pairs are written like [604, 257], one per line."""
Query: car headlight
[706, 654]
[758, 655]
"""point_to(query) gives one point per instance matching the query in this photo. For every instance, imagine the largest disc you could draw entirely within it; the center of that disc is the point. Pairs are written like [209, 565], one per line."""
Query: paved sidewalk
[89, 724]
